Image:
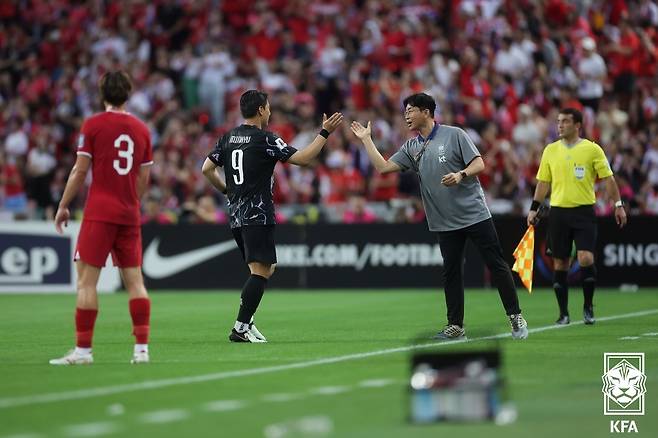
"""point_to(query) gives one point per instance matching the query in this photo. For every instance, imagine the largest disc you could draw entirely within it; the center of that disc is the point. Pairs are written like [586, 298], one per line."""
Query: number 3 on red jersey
[123, 167]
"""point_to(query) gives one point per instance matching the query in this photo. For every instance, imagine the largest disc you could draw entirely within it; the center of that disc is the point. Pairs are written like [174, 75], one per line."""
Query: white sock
[139, 348]
[82, 351]
[241, 327]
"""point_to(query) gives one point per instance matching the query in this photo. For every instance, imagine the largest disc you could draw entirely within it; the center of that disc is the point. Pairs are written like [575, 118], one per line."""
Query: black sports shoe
[563, 320]
[236, 336]
[588, 315]
[451, 332]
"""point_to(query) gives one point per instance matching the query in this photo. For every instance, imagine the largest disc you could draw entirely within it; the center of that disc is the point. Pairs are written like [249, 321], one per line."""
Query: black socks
[588, 274]
[561, 291]
[252, 292]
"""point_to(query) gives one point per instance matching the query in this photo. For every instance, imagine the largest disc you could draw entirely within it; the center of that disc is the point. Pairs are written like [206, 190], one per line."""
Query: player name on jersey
[240, 139]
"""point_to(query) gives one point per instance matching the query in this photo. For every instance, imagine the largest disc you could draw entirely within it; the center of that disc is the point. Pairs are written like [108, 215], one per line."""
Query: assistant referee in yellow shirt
[569, 168]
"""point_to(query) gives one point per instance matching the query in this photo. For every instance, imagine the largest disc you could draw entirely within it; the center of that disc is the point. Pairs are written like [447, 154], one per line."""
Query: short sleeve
[403, 157]
[84, 141]
[277, 148]
[217, 154]
[544, 172]
[468, 149]
[147, 160]
[601, 165]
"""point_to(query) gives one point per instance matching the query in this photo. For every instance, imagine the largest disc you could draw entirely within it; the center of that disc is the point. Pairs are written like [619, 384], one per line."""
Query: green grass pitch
[314, 377]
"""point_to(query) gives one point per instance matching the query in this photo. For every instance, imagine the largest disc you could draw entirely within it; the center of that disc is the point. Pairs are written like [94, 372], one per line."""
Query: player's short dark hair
[115, 87]
[250, 101]
[422, 101]
[576, 115]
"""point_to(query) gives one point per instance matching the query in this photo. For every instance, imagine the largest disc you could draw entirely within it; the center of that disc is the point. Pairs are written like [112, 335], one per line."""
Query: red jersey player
[117, 148]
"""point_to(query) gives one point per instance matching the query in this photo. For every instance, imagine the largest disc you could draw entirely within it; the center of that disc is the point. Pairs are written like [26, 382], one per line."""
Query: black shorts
[567, 225]
[256, 243]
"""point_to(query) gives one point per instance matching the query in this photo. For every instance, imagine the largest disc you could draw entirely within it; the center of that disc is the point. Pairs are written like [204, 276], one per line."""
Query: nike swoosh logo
[157, 266]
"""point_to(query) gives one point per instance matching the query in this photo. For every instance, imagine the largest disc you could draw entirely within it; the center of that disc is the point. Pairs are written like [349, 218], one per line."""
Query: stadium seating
[499, 69]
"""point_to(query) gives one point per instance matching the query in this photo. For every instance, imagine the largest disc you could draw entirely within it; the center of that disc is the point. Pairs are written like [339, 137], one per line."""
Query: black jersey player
[248, 154]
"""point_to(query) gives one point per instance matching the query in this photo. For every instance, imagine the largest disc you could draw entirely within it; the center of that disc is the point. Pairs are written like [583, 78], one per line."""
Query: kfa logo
[623, 389]
[623, 426]
[623, 384]
[34, 260]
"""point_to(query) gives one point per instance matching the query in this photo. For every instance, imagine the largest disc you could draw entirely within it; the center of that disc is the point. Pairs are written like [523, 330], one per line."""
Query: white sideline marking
[650, 334]
[224, 405]
[115, 409]
[629, 338]
[280, 397]
[91, 429]
[318, 425]
[174, 381]
[24, 435]
[329, 390]
[376, 383]
[165, 416]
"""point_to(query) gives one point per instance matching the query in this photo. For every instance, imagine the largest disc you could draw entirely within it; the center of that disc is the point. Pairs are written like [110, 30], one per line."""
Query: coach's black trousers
[484, 236]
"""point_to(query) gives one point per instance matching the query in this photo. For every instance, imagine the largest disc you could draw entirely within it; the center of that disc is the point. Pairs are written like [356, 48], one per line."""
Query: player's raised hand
[332, 122]
[62, 217]
[360, 131]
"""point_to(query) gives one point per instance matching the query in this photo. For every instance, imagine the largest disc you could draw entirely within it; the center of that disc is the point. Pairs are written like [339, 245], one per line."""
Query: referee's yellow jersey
[572, 171]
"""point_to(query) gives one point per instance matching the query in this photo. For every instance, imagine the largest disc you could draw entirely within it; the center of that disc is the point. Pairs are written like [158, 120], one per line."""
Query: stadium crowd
[501, 69]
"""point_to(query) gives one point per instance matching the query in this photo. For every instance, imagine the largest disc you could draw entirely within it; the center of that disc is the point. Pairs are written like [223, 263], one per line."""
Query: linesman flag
[524, 256]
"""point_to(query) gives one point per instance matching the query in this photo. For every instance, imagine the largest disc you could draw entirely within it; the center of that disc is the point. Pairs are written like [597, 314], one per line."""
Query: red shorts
[98, 239]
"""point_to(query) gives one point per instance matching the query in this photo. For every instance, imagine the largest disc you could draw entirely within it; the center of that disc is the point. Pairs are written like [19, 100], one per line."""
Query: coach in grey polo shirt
[447, 162]
[444, 151]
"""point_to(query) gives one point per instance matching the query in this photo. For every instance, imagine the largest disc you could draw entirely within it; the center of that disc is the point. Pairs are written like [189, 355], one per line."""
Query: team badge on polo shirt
[442, 154]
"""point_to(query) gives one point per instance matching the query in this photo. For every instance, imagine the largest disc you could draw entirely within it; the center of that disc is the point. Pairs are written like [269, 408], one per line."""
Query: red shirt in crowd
[384, 186]
[118, 145]
[625, 63]
[13, 181]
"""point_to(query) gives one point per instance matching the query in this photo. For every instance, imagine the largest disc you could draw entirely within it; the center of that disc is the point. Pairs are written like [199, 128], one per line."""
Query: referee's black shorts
[568, 225]
[256, 243]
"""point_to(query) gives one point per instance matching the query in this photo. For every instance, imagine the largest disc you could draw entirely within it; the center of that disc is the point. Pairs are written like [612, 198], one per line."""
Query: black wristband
[535, 205]
[324, 133]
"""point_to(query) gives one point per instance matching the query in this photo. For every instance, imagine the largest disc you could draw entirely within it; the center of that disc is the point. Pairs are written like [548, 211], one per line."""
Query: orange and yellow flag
[524, 256]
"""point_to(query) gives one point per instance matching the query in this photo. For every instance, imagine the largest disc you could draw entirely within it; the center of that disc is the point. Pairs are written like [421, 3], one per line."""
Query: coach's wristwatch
[619, 204]
[463, 174]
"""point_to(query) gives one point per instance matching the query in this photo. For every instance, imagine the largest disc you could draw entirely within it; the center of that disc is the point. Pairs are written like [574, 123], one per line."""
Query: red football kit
[118, 145]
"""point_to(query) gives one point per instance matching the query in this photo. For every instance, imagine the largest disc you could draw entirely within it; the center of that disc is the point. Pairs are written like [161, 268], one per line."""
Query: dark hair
[422, 101]
[115, 87]
[250, 101]
[576, 115]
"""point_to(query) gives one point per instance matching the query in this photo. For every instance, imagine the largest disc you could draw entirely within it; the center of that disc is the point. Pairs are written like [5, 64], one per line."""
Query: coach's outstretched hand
[62, 217]
[332, 122]
[360, 131]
